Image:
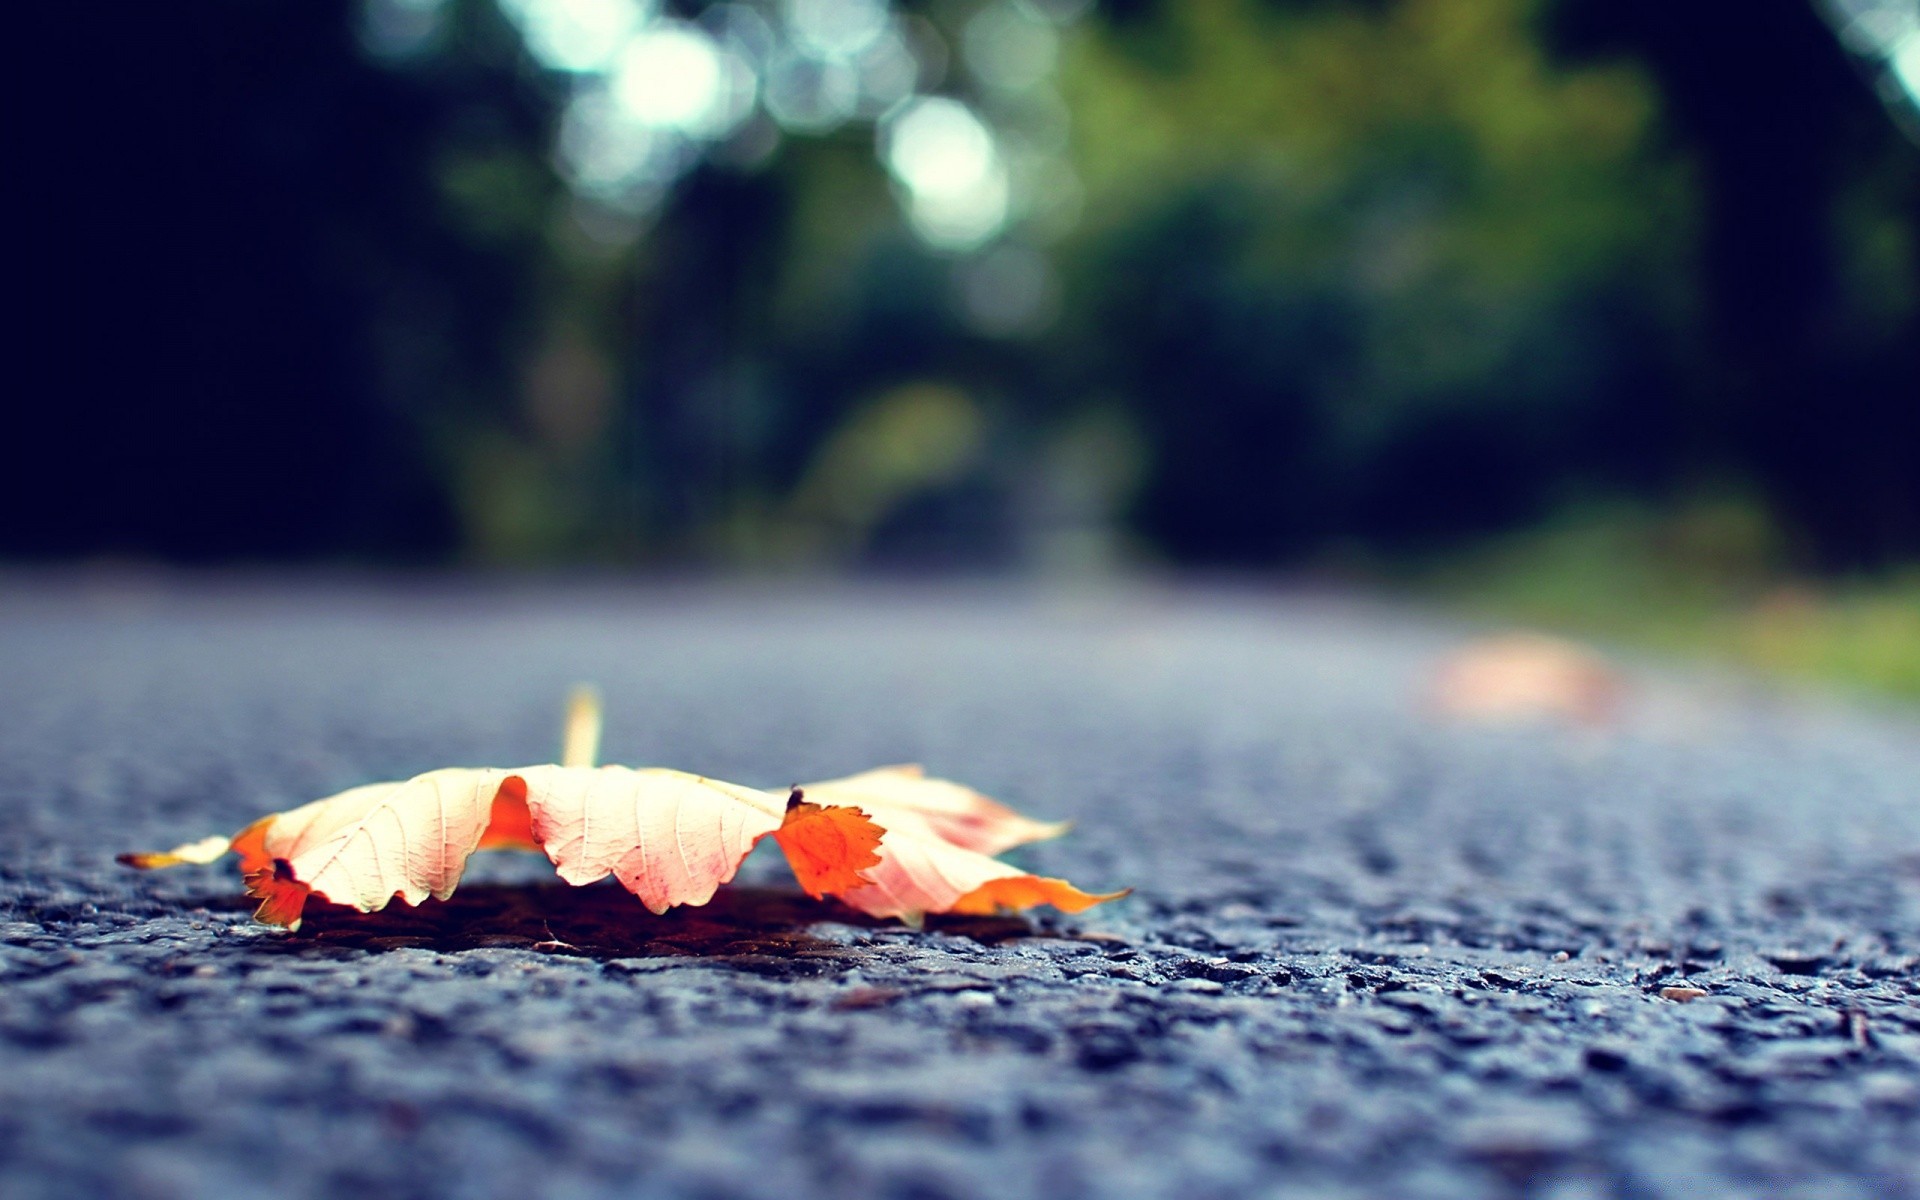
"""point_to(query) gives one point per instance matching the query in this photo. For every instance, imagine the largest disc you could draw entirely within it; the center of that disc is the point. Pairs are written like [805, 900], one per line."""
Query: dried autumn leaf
[1527, 676]
[957, 813]
[827, 846]
[890, 842]
[920, 873]
[667, 836]
[673, 838]
[935, 854]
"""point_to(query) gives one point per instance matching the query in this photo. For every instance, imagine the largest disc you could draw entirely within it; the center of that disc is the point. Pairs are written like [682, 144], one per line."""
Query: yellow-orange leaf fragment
[1015, 892]
[827, 847]
[206, 850]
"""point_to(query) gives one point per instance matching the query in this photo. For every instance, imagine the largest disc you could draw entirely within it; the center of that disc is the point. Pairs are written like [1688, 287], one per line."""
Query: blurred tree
[1808, 260]
[258, 312]
[1372, 271]
[405, 278]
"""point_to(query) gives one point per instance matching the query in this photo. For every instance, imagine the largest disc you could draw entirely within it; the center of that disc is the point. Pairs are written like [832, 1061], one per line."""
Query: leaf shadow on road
[770, 930]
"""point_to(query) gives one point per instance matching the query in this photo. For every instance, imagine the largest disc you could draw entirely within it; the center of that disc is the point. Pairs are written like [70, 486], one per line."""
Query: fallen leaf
[930, 861]
[890, 842]
[206, 850]
[669, 837]
[957, 813]
[1527, 676]
[827, 846]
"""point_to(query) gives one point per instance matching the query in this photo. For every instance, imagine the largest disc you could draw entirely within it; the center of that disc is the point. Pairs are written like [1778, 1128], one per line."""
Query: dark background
[1280, 284]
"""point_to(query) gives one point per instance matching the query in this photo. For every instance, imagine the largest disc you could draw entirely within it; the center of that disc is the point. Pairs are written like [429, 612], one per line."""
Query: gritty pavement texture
[1369, 953]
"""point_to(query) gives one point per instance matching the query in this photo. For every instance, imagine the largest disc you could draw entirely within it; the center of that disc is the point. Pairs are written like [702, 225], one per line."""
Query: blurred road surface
[1370, 953]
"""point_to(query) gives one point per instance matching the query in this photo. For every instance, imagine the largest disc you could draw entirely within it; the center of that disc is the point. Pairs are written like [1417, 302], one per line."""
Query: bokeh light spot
[577, 36]
[945, 158]
[809, 95]
[1906, 65]
[605, 154]
[675, 76]
[888, 73]
[835, 29]
[1007, 48]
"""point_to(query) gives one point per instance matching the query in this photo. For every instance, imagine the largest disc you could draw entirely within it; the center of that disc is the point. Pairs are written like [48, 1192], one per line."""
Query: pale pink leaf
[669, 837]
[921, 872]
[367, 845]
[953, 812]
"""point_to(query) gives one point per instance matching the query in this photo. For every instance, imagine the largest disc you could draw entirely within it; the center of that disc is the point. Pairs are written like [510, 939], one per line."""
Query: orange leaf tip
[827, 846]
[282, 897]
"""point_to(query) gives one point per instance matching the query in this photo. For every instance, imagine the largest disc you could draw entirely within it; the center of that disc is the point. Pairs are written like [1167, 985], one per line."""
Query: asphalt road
[1369, 954]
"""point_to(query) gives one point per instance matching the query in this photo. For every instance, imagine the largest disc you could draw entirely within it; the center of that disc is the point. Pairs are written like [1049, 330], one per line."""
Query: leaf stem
[580, 745]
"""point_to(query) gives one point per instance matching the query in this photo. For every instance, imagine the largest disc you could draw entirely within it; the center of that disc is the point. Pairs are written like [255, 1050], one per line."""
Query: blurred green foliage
[1372, 272]
[1385, 260]
[1283, 282]
[1704, 578]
